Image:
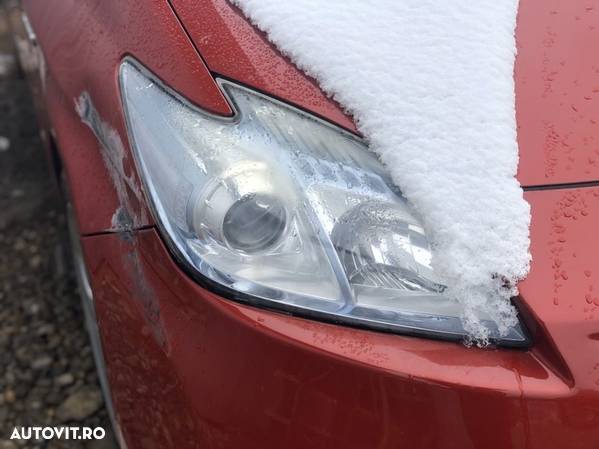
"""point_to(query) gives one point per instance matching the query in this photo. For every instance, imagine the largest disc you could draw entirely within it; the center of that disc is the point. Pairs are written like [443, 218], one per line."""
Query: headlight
[283, 210]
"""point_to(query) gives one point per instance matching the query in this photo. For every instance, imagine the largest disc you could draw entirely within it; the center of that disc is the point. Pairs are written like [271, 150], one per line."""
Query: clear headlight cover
[283, 210]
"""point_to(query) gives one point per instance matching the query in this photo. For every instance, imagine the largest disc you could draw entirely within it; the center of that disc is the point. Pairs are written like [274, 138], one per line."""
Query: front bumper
[189, 369]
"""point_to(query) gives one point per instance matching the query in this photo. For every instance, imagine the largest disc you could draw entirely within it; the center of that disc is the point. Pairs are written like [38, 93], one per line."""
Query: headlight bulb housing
[286, 211]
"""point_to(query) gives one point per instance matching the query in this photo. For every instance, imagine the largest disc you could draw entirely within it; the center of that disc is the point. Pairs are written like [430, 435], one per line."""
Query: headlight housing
[280, 209]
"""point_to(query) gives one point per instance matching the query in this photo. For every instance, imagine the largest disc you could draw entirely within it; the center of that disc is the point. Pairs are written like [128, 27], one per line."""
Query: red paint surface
[233, 48]
[83, 43]
[556, 73]
[556, 81]
[189, 369]
[563, 285]
[557, 91]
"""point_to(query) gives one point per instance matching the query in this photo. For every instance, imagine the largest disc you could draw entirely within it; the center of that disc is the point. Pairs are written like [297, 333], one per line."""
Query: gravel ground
[47, 373]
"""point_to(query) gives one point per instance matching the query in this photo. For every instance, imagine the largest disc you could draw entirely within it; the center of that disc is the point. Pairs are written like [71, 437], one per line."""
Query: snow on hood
[430, 85]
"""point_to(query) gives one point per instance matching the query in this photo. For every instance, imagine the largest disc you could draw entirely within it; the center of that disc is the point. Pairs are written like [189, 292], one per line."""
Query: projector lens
[254, 223]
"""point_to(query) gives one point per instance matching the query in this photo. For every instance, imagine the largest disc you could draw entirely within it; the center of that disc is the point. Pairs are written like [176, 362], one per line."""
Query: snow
[113, 155]
[430, 85]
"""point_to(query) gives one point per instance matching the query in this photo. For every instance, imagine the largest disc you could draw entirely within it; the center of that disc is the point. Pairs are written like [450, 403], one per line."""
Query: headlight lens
[284, 210]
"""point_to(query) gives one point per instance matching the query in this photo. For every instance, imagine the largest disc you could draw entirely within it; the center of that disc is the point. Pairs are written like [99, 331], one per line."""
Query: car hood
[556, 80]
[557, 92]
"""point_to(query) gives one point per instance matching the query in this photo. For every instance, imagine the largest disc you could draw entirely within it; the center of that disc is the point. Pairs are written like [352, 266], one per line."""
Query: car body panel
[182, 361]
[554, 85]
[562, 287]
[233, 48]
[556, 79]
[557, 91]
[98, 34]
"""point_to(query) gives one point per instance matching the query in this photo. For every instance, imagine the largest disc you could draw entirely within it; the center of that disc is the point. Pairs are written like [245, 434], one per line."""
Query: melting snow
[430, 84]
[113, 155]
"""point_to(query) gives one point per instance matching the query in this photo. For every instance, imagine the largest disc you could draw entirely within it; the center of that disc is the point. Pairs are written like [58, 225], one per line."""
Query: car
[204, 335]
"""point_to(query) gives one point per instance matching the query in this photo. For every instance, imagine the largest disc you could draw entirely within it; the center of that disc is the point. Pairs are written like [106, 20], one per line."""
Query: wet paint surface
[563, 286]
[556, 73]
[556, 80]
[237, 376]
[233, 48]
[98, 34]
[557, 91]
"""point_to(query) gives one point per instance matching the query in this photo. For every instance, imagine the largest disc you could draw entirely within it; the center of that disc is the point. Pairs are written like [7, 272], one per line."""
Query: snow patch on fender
[430, 84]
[113, 155]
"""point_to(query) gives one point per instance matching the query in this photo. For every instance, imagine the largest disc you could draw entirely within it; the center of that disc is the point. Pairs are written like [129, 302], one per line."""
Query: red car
[226, 312]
